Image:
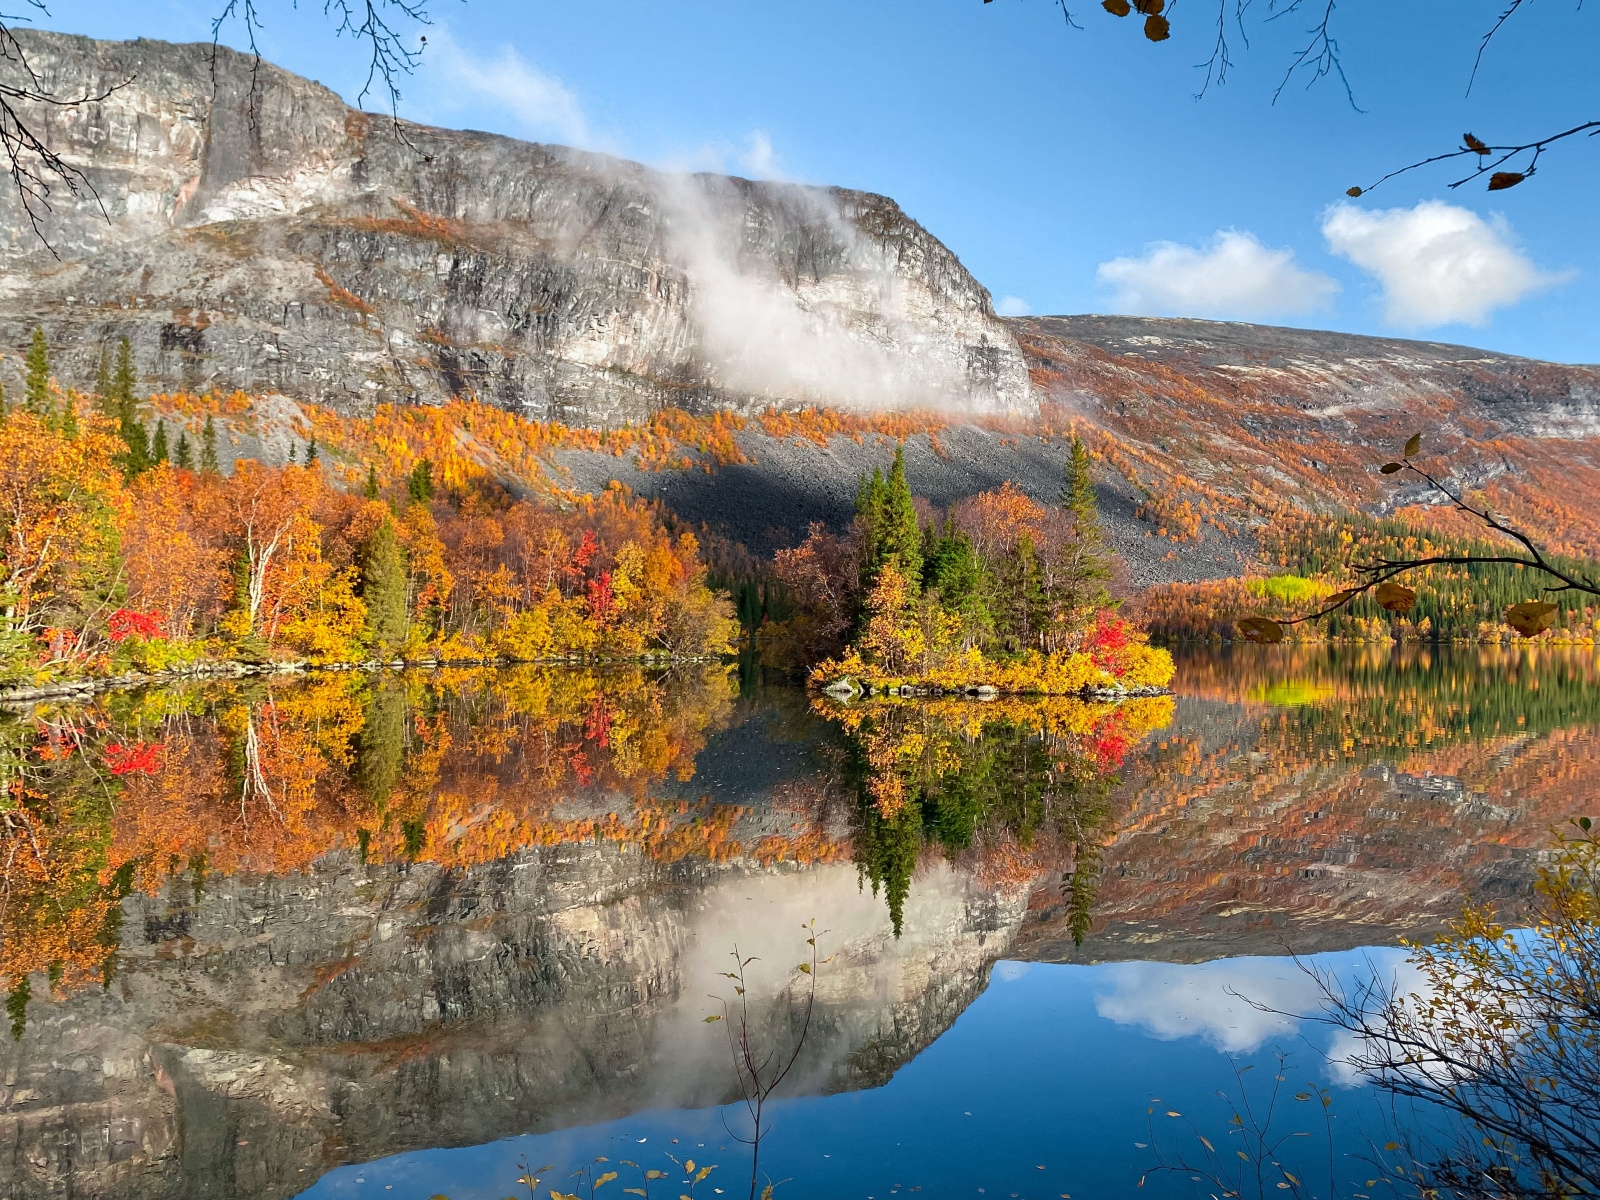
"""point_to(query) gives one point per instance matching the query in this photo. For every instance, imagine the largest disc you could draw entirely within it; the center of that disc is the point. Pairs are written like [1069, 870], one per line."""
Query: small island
[999, 595]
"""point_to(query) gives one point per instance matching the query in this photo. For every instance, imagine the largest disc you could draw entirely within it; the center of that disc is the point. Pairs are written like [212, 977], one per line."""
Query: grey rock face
[259, 234]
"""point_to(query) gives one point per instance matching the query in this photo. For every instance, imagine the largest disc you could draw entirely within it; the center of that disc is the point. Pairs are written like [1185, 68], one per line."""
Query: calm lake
[421, 934]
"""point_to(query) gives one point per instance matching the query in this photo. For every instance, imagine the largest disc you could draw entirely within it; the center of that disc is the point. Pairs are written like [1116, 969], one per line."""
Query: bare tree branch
[36, 169]
[1320, 56]
[1383, 570]
[379, 25]
[1491, 158]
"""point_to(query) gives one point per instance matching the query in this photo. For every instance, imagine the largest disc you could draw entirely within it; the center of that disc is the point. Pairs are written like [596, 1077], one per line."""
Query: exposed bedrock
[260, 234]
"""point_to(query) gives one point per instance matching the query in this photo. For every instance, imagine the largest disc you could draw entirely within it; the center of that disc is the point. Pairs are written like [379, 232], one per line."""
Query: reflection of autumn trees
[1365, 703]
[1350, 786]
[455, 768]
[1012, 787]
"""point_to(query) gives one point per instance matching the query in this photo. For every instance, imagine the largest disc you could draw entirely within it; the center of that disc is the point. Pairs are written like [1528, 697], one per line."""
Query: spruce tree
[37, 391]
[208, 448]
[954, 567]
[4, 407]
[1084, 571]
[1021, 599]
[371, 490]
[291, 454]
[869, 518]
[126, 404]
[183, 456]
[1078, 494]
[899, 535]
[311, 452]
[158, 447]
[67, 420]
[420, 484]
[17, 1006]
[383, 586]
[124, 379]
[102, 382]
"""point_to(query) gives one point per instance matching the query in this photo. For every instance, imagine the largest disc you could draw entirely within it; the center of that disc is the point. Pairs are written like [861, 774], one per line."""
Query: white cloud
[1437, 263]
[1012, 306]
[539, 105]
[1216, 1002]
[1239, 1005]
[1233, 275]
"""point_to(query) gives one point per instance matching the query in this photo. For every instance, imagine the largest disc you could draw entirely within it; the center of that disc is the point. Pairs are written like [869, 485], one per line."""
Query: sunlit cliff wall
[257, 233]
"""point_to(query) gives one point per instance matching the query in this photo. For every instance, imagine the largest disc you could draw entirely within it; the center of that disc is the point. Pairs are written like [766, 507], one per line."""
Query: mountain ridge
[278, 242]
[259, 234]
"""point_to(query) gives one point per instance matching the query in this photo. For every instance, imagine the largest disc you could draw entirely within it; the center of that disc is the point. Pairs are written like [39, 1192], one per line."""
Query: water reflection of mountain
[1318, 799]
[260, 1027]
[345, 920]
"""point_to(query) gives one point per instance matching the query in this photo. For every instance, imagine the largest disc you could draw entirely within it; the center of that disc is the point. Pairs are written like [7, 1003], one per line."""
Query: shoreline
[82, 689]
[845, 691]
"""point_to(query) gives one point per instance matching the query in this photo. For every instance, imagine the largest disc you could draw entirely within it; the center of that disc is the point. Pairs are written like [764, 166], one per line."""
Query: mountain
[249, 230]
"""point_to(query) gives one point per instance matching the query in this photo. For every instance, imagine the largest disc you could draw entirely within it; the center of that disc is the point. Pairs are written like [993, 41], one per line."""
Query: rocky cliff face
[254, 232]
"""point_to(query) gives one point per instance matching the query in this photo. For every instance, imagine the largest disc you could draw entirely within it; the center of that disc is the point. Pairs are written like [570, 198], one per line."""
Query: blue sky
[1056, 161]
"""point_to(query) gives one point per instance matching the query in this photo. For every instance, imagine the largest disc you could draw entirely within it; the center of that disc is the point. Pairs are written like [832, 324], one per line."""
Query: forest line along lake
[346, 928]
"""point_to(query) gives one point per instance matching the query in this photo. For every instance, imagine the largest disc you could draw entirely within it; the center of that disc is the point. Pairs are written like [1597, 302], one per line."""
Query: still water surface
[356, 937]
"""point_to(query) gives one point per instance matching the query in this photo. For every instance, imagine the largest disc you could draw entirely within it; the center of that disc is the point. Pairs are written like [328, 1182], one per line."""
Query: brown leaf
[1501, 180]
[1531, 617]
[1344, 597]
[1391, 468]
[1149, 8]
[1395, 597]
[1353, 192]
[1157, 29]
[1117, 8]
[1261, 629]
[1475, 144]
[1413, 444]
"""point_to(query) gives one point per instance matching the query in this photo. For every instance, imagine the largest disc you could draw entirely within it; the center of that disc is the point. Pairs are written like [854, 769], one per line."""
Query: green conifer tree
[67, 419]
[17, 1006]
[183, 455]
[37, 390]
[419, 486]
[1020, 599]
[1077, 493]
[311, 452]
[4, 407]
[123, 382]
[102, 382]
[371, 490]
[1084, 570]
[384, 582]
[208, 448]
[899, 535]
[158, 446]
[291, 454]
[869, 517]
[124, 379]
[955, 568]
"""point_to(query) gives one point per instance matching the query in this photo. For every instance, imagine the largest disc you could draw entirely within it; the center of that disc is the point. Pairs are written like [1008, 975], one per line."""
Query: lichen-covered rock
[260, 234]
